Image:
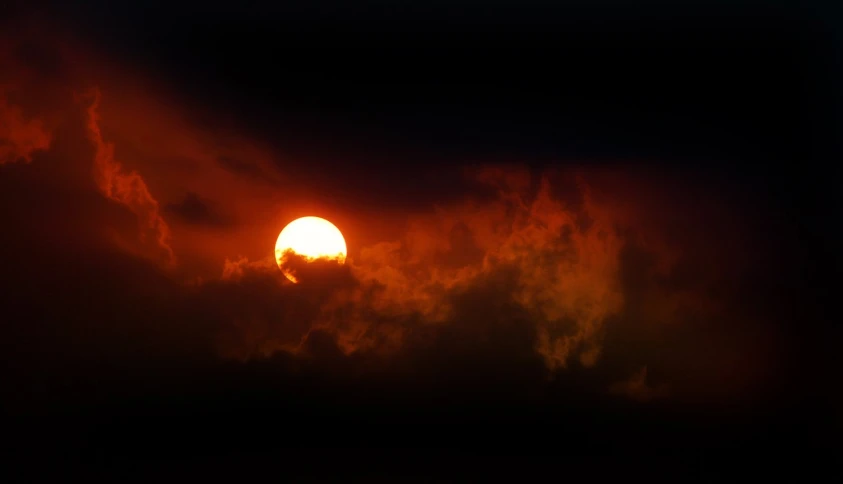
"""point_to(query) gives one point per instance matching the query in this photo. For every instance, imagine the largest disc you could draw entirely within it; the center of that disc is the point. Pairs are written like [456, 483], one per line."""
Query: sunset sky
[609, 232]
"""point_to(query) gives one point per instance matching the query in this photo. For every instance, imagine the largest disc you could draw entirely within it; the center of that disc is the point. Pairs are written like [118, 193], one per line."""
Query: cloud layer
[127, 188]
[563, 274]
[20, 137]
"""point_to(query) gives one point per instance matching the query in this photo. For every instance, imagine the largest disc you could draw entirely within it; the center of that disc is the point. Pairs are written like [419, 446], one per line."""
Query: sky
[577, 234]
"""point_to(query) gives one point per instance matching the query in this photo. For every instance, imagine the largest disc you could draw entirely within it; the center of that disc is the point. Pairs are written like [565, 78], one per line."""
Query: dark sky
[541, 80]
[588, 239]
[714, 84]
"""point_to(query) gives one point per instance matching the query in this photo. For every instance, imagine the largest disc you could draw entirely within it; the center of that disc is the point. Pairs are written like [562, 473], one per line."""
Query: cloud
[529, 275]
[20, 137]
[638, 388]
[566, 274]
[195, 210]
[79, 308]
[238, 166]
[561, 274]
[259, 312]
[556, 274]
[127, 187]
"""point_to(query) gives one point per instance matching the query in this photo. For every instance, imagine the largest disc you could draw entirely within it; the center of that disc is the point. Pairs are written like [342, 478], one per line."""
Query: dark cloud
[44, 60]
[197, 211]
[239, 166]
[638, 388]
[86, 320]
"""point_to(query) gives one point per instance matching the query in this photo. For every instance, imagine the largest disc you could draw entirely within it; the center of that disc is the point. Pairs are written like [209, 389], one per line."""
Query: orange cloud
[569, 273]
[217, 194]
[543, 254]
[234, 270]
[563, 272]
[20, 137]
[566, 273]
[127, 188]
[551, 247]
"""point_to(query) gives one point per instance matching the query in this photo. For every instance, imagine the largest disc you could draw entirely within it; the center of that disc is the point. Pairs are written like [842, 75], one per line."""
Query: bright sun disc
[311, 237]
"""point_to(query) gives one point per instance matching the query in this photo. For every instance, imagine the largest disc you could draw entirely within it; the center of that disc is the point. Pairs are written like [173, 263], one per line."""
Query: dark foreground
[197, 441]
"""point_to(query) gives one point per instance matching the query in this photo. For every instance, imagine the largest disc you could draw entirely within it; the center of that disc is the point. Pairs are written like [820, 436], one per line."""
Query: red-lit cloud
[603, 272]
[20, 137]
[127, 188]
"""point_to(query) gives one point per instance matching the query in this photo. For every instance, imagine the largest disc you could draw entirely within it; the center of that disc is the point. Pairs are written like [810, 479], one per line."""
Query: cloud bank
[533, 276]
[127, 188]
[20, 137]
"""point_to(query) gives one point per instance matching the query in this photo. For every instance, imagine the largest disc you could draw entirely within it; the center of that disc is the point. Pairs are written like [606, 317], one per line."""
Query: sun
[311, 237]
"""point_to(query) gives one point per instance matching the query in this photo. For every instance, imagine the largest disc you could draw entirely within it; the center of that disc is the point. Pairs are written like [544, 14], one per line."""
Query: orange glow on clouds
[128, 188]
[20, 137]
[555, 246]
